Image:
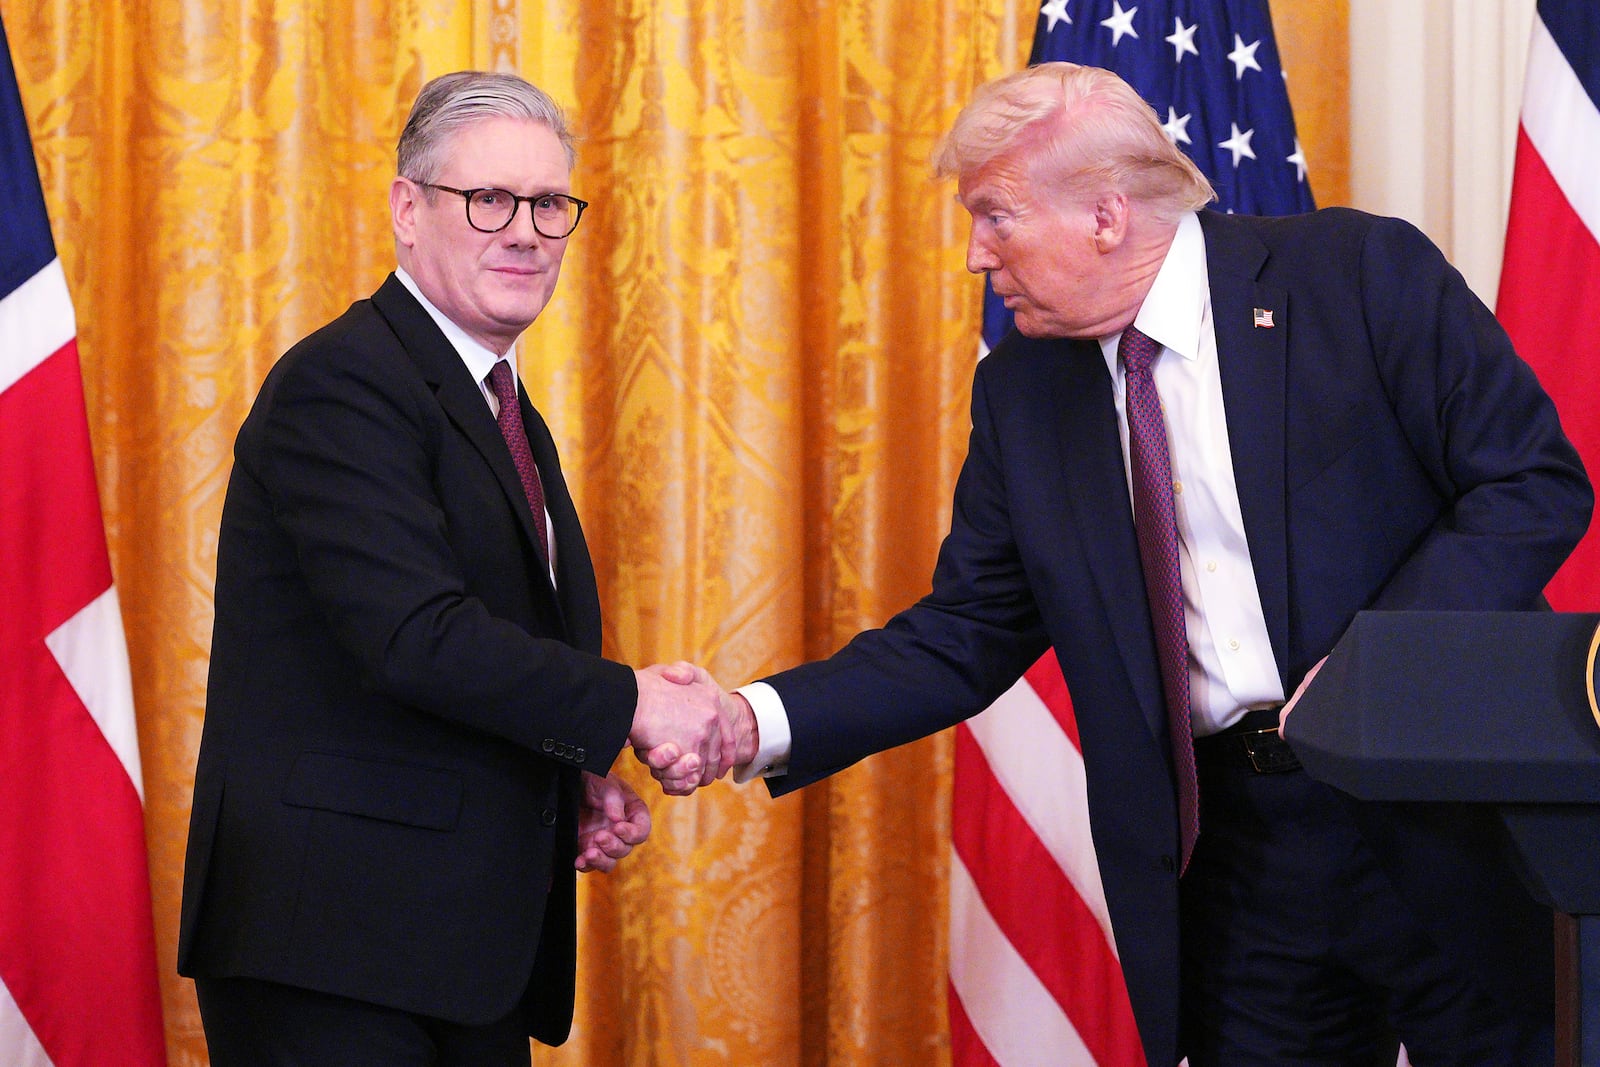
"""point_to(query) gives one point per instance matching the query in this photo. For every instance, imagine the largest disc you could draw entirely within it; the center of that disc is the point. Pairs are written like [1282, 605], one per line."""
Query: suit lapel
[1254, 367]
[1095, 475]
[463, 403]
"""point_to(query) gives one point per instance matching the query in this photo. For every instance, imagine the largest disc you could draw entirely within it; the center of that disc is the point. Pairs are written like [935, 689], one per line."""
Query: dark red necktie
[510, 419]
[1156, 523]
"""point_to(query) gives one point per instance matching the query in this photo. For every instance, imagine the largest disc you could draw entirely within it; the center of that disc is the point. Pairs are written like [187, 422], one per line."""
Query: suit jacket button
[578, 755]
[1168, 864]
[548, 816]
[549, 745]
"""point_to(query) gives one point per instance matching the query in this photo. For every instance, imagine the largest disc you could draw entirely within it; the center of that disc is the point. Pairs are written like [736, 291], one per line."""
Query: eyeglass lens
[554, 215]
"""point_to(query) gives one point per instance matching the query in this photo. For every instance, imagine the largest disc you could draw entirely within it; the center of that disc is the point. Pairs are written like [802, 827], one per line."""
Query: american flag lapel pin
[1263, 318]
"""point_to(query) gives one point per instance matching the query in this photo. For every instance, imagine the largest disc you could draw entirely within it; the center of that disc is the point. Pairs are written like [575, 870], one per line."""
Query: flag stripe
[1019, 1021]
[1549, 324]
[92, 652]
[22, 1049]
[1039, 774]
[966, 1046]
[1045, 920]
[1563, 122]
[53, 558]
[36, 322]
[1576, 31]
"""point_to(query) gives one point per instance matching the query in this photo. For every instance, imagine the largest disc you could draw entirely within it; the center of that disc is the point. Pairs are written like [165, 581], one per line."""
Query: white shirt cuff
[772, 726]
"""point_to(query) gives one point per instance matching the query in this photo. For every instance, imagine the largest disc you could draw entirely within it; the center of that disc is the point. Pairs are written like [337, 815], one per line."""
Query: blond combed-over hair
[1086, 131]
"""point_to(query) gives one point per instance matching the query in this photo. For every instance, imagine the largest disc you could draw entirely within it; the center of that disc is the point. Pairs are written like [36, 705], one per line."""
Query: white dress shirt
[1231, 664]
[480, 361]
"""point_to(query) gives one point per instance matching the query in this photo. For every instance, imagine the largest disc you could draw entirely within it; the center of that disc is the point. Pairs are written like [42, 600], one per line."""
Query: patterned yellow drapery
[756, 365]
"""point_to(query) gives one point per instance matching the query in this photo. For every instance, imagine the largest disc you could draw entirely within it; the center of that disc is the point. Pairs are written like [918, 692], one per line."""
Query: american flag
[77, 945]
[1034, 977]
[1550, 282]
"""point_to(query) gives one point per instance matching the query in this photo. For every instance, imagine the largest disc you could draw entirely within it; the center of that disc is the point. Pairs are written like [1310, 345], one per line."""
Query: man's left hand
[612, 822]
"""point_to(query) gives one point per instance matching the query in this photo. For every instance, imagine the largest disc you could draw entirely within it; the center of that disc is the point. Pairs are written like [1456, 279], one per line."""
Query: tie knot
[500, 382]
[1136, 350]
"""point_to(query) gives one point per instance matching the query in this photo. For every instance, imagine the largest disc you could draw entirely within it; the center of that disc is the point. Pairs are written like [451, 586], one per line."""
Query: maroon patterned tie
[1155, 521]
[510, 419]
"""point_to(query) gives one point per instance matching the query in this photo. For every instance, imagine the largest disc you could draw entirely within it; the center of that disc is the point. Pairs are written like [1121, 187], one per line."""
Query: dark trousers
[251, 1023]
[1298, 947]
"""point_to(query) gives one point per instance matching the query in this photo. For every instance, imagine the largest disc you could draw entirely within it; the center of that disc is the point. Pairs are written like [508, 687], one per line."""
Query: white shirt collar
[479, 360]
[1174, 310]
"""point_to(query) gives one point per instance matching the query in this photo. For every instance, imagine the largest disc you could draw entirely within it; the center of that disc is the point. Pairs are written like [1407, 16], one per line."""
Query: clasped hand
[687, 730]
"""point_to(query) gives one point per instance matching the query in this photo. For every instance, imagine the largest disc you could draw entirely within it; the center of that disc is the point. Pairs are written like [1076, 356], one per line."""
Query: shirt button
[1233, 645]
[1212, 566]
[1177, 486]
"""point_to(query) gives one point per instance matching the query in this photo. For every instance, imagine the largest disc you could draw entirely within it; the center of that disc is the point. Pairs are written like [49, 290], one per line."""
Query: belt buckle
[1268, 752]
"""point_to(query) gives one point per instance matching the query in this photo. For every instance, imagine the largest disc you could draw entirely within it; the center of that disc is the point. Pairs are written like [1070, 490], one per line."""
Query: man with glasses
[409, 726]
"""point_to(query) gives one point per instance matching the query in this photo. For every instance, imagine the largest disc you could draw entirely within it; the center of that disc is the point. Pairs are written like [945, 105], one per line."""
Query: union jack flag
[77, 946]
[1550, 285]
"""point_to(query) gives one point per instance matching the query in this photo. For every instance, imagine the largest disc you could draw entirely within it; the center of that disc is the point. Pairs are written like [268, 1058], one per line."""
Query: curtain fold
[756, 366]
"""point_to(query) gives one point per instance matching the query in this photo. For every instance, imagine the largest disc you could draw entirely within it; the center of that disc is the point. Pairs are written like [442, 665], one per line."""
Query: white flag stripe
[93, 654]
[1019, 1021]
[35, 321]
[1042, 771]
[1564, 125]
[21, 1047]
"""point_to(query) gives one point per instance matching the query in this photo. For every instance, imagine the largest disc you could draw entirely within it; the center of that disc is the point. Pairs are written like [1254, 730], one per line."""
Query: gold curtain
[757, 368]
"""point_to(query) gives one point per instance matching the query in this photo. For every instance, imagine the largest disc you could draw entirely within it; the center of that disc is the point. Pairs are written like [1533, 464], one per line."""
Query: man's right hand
[677, 727]
[681, 768]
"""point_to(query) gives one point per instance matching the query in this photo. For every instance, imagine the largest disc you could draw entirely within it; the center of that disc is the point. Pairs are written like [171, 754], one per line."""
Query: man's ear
[403, 196]
[1110, 221]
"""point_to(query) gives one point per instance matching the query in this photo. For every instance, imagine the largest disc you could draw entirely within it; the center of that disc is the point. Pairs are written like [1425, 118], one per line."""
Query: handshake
[687, 730]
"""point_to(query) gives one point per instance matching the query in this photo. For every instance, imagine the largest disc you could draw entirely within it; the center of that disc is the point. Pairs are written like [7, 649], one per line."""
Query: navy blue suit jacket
[399, 702]
[1390, 450]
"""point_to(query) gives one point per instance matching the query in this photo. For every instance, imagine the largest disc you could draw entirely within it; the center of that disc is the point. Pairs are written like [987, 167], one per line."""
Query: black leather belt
[1252, 743]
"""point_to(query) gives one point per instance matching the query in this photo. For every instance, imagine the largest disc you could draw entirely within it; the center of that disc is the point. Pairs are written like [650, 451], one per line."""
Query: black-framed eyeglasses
[555, 215]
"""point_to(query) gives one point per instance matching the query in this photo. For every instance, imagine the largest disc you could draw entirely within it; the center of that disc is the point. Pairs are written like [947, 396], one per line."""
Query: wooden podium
[1496, 711]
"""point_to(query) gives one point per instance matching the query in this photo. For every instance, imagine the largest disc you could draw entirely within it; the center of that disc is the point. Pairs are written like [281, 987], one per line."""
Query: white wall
[1435, 90]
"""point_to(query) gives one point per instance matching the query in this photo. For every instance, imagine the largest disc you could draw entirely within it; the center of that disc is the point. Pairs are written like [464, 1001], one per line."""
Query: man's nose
[980, 259]
[521, 230]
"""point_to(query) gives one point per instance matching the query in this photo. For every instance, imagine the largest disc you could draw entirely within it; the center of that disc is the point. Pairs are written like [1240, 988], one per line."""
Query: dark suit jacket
[399, 703]
[1390, 449]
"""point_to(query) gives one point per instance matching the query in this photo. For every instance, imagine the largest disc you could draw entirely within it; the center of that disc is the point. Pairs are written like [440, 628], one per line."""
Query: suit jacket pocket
[406, 793]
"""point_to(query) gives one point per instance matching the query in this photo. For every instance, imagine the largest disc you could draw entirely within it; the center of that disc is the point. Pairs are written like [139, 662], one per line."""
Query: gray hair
[452, 102]
[1086, 126]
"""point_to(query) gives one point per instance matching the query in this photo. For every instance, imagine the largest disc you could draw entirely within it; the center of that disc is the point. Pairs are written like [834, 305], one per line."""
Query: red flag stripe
[1044, 916]
[36, 321]
[1018, 1020]
[966, 1047]
[53, 558]
[1563, 123]
[1044, 677]
[1040, 771]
